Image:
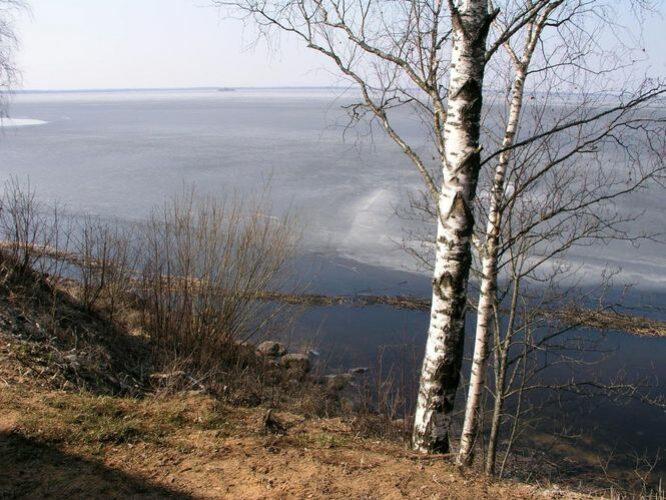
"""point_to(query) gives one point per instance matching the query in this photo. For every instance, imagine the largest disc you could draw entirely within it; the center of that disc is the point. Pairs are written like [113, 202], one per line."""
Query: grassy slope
[70, 428]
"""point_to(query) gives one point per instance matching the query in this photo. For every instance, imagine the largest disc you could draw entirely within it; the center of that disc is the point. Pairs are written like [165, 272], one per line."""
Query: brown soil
[62, 445]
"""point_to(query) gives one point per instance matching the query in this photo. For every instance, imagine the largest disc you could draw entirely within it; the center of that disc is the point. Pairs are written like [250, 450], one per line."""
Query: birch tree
[430, 55]
[487, 294]
[583, 208]
[560, 193]
[580, 211]
[440, 374]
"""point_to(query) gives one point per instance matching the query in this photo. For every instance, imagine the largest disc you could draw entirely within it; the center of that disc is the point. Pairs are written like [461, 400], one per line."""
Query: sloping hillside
[78, 420]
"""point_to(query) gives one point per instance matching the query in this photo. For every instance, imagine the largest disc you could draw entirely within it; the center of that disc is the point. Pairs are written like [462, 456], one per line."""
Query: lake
[117, 154]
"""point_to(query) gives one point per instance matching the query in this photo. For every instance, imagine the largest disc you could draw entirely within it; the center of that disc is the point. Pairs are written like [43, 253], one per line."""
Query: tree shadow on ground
[29, 469]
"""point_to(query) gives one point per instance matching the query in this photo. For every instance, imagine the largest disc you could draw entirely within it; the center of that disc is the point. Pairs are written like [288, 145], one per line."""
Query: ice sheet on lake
[119, 154]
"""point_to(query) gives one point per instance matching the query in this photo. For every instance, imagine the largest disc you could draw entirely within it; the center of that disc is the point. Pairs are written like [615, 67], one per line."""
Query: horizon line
[149, 89]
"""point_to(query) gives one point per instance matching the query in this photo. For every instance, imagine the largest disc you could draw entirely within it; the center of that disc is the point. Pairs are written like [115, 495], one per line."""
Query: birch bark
[440, 374]
[489, 254]
[488, 289]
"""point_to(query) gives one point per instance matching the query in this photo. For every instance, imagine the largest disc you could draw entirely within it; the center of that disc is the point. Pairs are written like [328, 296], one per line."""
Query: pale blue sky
[67, 44]
[75, 44]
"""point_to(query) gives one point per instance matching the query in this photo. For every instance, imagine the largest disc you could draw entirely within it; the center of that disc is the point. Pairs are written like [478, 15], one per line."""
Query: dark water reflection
[593, 428]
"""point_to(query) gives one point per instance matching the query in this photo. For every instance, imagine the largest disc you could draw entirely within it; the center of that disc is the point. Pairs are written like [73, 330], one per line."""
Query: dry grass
[83, 446]
[612, 320]
[182, 287]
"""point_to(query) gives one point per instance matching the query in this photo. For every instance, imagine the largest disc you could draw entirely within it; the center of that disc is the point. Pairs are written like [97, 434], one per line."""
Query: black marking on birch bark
[448, 372]
[468, 90]
[470, 112]
[444, 281]
[436, 444]
[469, 162]
[485, 27]
[440, 445]
[461, 211]
[457, 22]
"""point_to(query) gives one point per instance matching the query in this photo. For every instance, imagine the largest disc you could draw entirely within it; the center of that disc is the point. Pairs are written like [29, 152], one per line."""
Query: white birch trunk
[487, 296]
[488, 289]
[440, 374]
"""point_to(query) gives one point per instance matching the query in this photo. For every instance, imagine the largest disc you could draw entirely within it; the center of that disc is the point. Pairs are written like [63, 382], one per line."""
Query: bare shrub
[33, 236]
[22, 223]
[107, 261]
[195, 282]
[204, 265]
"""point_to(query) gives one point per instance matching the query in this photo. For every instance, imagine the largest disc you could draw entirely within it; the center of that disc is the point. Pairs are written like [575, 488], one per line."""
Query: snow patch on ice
[21, 122]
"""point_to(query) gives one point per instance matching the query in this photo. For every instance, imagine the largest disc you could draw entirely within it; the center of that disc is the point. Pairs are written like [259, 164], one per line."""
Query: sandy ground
[61, 445]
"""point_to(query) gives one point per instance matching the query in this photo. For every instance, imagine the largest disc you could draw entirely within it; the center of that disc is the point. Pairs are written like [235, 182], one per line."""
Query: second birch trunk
[489, 254]
[488, 293]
